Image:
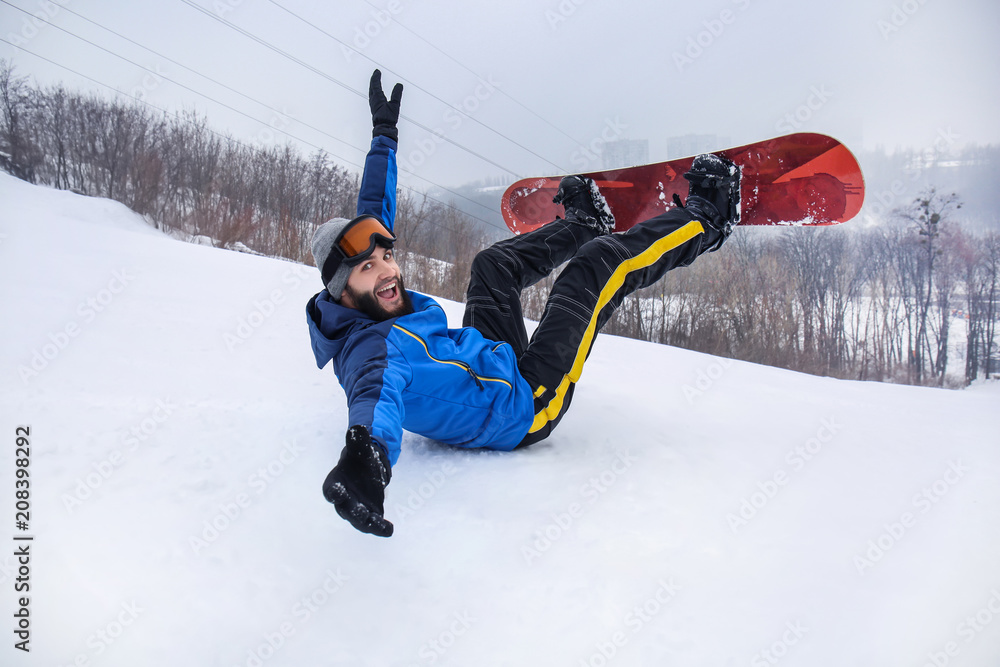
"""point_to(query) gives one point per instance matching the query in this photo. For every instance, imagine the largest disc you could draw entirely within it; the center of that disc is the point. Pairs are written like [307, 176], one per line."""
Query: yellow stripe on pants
[646, 258]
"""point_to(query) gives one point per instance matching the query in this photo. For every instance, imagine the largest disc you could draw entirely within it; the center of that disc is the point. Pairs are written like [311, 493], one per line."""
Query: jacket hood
[331, 324]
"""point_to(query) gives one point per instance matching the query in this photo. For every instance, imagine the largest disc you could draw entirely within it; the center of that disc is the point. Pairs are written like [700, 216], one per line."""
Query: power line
[111, 88]
[471, 71]
[236, 141]
[242, 113]
[424, 90]
[363, 95]
[193, 71]
[162, 76]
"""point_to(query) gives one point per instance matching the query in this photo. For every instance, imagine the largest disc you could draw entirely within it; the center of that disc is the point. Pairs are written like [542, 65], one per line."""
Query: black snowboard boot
[715, 181]
[584, 204]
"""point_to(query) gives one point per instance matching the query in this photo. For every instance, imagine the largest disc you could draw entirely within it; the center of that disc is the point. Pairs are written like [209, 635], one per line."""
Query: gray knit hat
[334, 271]
[322, 245]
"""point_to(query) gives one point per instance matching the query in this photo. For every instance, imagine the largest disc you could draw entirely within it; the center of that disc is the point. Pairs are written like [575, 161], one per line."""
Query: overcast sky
[542, 82]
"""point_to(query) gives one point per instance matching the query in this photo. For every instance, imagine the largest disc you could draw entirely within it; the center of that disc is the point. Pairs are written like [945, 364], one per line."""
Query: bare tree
[866, 304]
[17, 154]
[926, 214]
[981, 278]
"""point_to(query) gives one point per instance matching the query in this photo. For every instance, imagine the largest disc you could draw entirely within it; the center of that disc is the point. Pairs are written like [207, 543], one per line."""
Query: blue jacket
[413, 372]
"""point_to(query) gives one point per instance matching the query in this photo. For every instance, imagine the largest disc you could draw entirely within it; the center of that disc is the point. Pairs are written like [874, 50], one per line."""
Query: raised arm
[378, 184]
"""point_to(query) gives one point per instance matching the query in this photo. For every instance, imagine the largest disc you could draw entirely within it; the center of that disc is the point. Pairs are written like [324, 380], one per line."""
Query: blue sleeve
[374, 388]
[378, 184]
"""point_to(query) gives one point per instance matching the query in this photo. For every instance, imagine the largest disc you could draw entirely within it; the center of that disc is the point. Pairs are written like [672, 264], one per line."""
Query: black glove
[356, 485]
[385, 113]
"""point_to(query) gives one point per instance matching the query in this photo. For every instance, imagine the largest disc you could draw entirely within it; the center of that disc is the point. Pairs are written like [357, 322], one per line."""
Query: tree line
[879, 303]
[185, 177]
[873, 303]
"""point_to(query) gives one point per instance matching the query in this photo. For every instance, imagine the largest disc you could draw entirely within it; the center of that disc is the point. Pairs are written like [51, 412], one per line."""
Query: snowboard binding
[715, 180]
[584, 204]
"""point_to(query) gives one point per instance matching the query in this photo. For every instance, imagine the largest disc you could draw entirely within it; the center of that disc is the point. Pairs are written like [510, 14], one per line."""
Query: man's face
[375, 287]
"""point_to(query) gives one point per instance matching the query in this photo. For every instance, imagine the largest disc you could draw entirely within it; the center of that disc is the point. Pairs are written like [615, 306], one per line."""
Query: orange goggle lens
[360, 237]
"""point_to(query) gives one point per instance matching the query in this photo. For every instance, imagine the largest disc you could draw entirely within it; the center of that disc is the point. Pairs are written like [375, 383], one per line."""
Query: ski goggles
[358, 239]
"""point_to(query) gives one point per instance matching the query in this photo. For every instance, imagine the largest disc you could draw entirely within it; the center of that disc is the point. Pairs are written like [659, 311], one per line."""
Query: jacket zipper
[468, 368]
[461, 364]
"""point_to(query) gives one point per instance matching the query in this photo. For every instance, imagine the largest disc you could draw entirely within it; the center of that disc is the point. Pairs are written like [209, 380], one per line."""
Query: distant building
[695, 144]
[625, 153]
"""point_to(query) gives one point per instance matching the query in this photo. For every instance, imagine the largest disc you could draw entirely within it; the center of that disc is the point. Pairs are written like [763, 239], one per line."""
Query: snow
[689, 510]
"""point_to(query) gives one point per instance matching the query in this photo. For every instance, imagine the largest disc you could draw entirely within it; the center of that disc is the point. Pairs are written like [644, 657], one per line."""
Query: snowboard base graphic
[796, 179]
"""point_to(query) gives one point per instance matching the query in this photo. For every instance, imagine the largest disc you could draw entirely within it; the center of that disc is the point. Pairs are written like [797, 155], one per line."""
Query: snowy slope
[688, 511]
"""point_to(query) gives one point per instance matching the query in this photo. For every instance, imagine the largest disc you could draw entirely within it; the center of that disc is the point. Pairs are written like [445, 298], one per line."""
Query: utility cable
[162, 76]
[410, 83]
[242, 113]
[363, 95]
[226, 138]
[229, 88]
[190, 69]
[473, 73]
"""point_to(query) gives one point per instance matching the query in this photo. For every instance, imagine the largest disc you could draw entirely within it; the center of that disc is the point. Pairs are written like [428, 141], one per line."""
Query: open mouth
[388, 292]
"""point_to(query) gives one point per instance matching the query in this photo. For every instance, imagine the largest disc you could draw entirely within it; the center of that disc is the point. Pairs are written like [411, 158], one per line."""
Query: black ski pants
[602, 271]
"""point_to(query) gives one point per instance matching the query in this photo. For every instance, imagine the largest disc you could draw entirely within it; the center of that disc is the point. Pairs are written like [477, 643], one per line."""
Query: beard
[371, 305]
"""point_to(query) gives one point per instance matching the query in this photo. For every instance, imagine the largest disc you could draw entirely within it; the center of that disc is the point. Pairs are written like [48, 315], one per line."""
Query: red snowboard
[797, 179]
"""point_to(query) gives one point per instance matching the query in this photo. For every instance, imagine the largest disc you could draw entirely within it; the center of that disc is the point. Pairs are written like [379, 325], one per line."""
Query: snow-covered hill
[688, 511]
